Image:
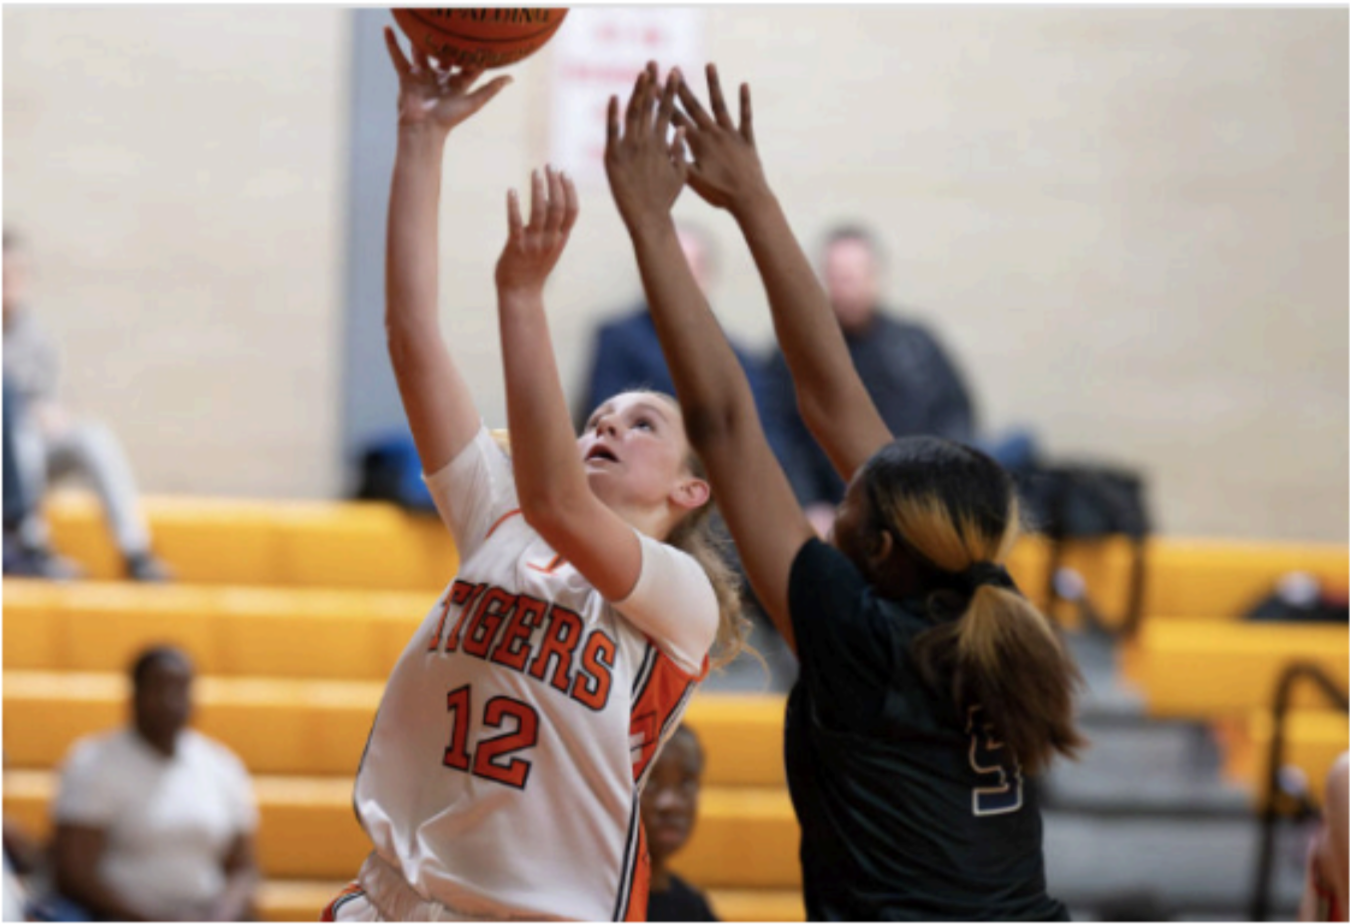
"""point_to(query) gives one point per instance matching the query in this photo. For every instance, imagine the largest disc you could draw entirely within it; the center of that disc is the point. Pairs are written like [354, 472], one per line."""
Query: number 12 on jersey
[490, 758]
[1000, 789]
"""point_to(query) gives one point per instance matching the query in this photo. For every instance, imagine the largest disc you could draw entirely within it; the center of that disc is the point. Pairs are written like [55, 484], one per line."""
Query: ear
[691, 494]
[880, 548]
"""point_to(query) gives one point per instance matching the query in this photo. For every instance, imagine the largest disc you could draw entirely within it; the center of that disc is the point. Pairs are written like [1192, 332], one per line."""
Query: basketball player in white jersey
[502, 775]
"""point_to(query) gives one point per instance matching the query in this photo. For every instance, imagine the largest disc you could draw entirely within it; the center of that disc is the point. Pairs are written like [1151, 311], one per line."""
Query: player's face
[670, 799]
[635, 450]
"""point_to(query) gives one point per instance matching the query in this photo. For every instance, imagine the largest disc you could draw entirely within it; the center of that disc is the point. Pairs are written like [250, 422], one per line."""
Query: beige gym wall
[1128, 225]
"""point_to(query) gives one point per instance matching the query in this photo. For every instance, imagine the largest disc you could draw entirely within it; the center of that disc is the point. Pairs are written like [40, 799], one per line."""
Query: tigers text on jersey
[504, 766]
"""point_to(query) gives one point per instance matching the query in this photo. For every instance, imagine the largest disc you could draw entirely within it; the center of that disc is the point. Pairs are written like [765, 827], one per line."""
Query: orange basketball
[479, 37]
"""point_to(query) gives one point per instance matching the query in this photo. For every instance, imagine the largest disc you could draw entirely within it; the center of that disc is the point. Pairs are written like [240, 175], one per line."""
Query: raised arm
[646, 175]
[431, 102]
[727, 173]
[555, 497]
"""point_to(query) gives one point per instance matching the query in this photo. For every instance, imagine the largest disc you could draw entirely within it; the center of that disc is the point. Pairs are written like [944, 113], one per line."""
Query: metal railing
[1270, 813]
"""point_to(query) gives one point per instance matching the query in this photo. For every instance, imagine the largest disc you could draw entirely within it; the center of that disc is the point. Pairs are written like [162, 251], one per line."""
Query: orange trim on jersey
[638, 893]
[557, 562]
[351, 891]
[500, 520]
[664, 691]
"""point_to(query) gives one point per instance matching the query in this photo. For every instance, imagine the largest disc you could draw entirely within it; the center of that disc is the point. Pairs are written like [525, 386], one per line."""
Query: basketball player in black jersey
[931, 691]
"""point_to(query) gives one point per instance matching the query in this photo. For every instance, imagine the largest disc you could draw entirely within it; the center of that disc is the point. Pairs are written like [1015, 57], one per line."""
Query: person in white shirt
[503, 772]
[156, 822]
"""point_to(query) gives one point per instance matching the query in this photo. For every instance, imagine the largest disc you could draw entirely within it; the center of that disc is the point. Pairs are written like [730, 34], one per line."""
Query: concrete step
[1197, 866]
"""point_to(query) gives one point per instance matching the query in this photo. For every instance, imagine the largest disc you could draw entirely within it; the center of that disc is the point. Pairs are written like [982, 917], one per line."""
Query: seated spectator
[22, 558]
[1324, 897]
[50, 443]
[915, 385]
[155, 821]
[669, 810]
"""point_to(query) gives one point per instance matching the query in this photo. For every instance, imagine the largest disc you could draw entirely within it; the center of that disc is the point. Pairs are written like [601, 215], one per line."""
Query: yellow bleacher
[379, 547]
[1204, 670]
[295, 611]
[302, 740]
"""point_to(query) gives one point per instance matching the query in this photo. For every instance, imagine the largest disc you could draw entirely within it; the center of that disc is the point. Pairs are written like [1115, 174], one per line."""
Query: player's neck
[650, 521]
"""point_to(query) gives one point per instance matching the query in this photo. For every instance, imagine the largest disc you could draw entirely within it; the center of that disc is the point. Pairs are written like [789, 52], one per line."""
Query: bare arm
[832, 399]
[432, 101]
[555, 497]
[1338, 837]
[719, 409]
[241, 882]
[76, 850]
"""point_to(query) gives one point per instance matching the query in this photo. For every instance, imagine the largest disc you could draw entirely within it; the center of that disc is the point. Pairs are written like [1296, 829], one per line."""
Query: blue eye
[645, 422]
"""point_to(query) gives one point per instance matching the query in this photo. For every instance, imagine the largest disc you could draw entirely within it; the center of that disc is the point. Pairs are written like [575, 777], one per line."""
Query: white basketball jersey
[504, 767]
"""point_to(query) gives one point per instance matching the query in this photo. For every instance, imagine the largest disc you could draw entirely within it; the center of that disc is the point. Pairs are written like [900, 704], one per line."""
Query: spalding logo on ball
[483, 38]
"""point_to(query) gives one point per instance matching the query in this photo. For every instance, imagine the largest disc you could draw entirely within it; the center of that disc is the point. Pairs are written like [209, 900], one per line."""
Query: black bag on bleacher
[1088, 501]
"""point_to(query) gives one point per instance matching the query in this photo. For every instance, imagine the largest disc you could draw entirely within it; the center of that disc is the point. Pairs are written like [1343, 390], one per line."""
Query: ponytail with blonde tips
[1003, 656]
[953, 513]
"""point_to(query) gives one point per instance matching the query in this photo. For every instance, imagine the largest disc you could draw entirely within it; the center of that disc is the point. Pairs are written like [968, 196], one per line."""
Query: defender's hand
[646, 172]
[726, 170]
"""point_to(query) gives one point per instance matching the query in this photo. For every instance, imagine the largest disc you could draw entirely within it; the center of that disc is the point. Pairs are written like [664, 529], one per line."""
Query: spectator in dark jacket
[627, 354]
[914, 383]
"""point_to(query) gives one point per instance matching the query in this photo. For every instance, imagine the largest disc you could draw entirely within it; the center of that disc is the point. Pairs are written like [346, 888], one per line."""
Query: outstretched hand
[646, 172]
[533, 249]
[432, 95]
[726, 170]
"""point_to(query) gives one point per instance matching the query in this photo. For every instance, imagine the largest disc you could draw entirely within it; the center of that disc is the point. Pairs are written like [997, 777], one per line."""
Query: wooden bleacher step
[745, 837]
[304, 899]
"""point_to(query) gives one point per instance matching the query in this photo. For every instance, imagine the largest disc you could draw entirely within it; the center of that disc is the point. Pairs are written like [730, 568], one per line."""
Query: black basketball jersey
[909, 809]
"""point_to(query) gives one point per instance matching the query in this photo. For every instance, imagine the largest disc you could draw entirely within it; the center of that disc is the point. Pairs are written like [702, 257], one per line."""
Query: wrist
[752, 202]
[647, 224]
[519, 295]
[423, 135]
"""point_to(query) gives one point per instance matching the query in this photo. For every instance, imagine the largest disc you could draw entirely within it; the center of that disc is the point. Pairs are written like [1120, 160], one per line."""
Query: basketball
[479, 37]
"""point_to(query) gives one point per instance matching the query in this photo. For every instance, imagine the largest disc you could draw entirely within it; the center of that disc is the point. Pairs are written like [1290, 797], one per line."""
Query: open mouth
[599, 453]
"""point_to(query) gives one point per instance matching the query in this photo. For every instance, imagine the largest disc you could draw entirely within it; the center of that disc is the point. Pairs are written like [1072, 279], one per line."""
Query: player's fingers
[571, 204]
[396, 53]
[513, 222]
[479, 98]
[679, 155]
[747, 117]
[557, 200]
[719, 105]
[693, 108]
[667, 107]
[612, 123]
[538, 203]
[420, 60]
[463, 78]
[634, 114]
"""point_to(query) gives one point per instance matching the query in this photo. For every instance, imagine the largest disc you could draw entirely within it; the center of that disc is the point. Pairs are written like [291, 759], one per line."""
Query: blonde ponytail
[954, 516]
[694, 537]
[1009, 661]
